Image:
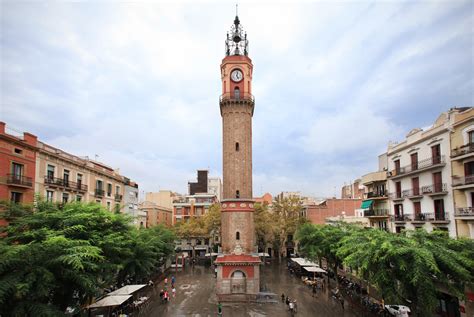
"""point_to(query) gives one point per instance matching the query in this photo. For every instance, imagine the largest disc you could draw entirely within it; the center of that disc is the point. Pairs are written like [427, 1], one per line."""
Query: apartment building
[185, 207]
[130, 202]
[355, 190]
[375, 205]
[17, 165]
[462, 170]
[214, 186]
[156, 215]
[162, 198]
[419, 179]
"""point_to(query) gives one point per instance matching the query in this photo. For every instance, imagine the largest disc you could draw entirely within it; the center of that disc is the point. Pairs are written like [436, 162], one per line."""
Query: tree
[286, 219]
[59, 256]
[263, 225]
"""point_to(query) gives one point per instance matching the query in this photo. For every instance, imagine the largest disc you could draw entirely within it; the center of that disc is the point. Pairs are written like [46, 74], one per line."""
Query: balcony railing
[400, 218]
[436, 216]
[376, 195]
[99, 192]
[464, 211]
[418, 217]
[397, 195]
[432, 161]
[118, 197]
[237, 97]
[465, 149]
[60, 182]
[414, 192]
[463, 180]
[376, 213]
[435, 189]
[19, 180]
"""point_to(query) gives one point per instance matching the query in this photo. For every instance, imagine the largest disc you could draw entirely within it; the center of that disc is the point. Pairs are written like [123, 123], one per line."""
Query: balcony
[464, 212]
[236, 98]
[460, 182]
[400, 218]
[376, 213]
[376, 195]
[66, 184]
[398, 196]
[418, 217]
[418, 167]
[413, 193]
[19, 180]
[118, 197]
[99, 193]
[437, 217]
[435, 189]
[462, 151]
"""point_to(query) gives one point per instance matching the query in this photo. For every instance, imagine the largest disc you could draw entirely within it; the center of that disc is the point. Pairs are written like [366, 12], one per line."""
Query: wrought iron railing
[463, 180]
[60, 182]
[397, 195]
[118, 197]
[14, 179]
[231, 96]
[435, 188]
[375, 212]
[465, 149]
[432, 161]
[464, 211]
[418, 217]
[99, 192]
[436, 216]
[376, 195]
[400, 218]
[412, 192]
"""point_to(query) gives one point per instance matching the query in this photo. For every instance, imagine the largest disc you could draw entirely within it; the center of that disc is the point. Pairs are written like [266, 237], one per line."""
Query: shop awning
[366, 204]
[109, 301]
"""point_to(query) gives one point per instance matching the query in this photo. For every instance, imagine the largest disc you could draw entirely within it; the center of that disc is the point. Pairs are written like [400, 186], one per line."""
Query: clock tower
[238, 267]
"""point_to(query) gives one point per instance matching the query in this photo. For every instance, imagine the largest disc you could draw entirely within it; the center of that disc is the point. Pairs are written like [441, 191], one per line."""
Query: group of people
[289, 302]
[164, 294]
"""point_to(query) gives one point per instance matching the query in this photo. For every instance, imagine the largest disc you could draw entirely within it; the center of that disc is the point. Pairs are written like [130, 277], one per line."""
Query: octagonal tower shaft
[237, 105]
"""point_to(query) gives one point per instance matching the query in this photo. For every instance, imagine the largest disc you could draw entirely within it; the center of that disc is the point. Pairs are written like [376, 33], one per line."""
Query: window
[237, 235]
[397, 166]
[414, 161]
[109, 189]
[470, 136]
[65, 198]
[436, 154]
[439, 209]
[398, 211]
[16, 197]
[79, 180]
[417, 209]
[237, 146]
[108, 205]
[78, 198]
[98, 184]
[437, 182]
[17, 171]
[18, 151]
[66, 177]
[50, 172]
[469, 169]
[237, 93]
[398, 186]
[117, 190]
[237, 194]
[49, 196]
[415, 182]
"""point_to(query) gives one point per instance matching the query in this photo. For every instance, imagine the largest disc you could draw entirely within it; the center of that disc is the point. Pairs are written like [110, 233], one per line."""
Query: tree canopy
[412, 266]
[52, 257]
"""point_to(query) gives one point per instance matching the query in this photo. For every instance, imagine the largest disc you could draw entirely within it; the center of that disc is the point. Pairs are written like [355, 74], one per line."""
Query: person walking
[295, 306]
[173, 279]
[219, 309]
[166, 296]
[287, 301]
[174, 292]
[162, 294]
[166, 281]
[282, 297]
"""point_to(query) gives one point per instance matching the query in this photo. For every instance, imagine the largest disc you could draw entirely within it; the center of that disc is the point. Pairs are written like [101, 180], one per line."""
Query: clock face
[236, 75]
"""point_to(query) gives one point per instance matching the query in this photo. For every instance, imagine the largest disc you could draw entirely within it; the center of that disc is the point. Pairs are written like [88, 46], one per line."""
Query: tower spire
[236, 42]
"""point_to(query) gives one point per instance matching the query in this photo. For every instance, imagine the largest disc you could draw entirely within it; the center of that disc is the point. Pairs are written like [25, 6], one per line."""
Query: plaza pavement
[196, 296]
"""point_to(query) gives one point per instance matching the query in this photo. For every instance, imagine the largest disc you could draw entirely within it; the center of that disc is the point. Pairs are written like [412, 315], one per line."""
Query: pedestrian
[162, 293]
[166, 281]
[173, 279]
[166, 296]
[174, 292]
[291, 306]
[295, 306]
[219, 309]
[150, 283]
[282, 297]
[287, 300]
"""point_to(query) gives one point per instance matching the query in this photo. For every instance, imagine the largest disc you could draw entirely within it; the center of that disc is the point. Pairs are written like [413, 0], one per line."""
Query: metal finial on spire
[236, 40]
[236, 9]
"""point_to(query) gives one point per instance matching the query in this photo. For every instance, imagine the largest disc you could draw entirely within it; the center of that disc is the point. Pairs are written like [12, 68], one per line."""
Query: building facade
[130, 202]
[238, 271]
[17, 165]
[462, 170]
[331, 207]
[155, 214]
[419, 179]
[355, 190]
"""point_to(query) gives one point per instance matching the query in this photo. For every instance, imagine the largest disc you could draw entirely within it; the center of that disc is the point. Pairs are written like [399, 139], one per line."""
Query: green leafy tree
[59, 256]
[263, 225]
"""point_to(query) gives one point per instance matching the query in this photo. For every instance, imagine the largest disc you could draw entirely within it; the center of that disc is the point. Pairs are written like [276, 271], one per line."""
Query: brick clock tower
[238, 267]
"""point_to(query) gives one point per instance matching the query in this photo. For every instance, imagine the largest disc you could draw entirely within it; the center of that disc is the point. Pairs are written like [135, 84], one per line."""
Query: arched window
[237, 146]
[237, 93]
[237, 235]
[237, 194]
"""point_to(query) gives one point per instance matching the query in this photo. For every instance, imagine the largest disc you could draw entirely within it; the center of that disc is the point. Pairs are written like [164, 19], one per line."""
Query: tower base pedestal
[238, 277]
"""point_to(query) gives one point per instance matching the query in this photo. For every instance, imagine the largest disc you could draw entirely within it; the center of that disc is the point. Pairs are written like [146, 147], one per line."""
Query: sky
[138, 84]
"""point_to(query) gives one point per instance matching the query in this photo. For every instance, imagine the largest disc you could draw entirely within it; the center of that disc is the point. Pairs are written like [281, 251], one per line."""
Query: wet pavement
[195, 296]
